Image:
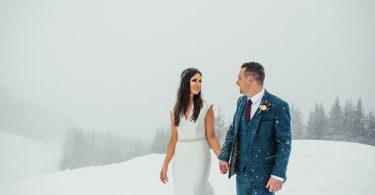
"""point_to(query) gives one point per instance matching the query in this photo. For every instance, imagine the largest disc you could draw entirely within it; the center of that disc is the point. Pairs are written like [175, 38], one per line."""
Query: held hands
[274, 185]
[163, 175]
[224, 166]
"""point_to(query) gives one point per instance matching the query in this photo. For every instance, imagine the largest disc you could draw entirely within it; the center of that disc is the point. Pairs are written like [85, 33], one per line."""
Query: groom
[258, 141]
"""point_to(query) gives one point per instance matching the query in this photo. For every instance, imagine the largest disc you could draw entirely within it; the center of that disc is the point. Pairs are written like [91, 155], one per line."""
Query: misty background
[111, 68]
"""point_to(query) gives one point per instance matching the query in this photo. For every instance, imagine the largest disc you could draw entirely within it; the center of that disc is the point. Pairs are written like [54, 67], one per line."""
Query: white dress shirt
[255, 102]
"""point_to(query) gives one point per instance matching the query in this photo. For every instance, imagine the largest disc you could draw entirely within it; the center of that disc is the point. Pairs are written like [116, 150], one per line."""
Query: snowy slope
[22, 158]
[316, 167]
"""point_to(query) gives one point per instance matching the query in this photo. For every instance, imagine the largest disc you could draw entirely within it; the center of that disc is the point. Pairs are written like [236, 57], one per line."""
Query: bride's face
[195, 84]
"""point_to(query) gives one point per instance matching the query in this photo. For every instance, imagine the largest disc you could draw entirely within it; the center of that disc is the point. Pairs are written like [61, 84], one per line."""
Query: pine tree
[370, 129]
[160, 141]
[348, 132]
[74, 150]
[91, 148]
[220, 127]
[359, 123]
[297, 123]
[335, 121]
[317, 124]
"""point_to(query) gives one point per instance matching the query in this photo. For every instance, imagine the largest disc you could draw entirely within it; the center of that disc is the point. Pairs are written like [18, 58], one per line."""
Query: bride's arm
[210, 132]
[172, 143]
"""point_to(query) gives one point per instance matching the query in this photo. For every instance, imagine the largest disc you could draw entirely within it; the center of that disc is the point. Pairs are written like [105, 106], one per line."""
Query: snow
[22, 158]
[316, 167]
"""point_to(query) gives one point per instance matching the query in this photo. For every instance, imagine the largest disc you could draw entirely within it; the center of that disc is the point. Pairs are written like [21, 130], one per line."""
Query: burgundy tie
[248, 110]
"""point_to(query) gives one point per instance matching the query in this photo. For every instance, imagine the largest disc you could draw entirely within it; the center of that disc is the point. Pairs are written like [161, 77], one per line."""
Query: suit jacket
[270, 141]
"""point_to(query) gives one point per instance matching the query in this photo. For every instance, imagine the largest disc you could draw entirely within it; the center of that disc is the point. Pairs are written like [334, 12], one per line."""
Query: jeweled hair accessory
[186, 71]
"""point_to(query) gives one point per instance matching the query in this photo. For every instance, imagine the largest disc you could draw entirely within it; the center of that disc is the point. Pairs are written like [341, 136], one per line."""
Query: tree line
[346, 122]
[89, 148]
[343, 122]
[92, 148]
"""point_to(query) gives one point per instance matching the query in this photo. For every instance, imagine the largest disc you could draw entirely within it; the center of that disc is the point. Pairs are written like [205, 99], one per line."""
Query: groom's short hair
[256, 70]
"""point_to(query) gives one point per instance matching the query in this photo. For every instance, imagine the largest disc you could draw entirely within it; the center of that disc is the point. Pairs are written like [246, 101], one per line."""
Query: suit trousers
[246, 184]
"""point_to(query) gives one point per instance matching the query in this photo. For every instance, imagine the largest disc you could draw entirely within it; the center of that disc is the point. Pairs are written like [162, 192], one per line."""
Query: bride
[192, 136]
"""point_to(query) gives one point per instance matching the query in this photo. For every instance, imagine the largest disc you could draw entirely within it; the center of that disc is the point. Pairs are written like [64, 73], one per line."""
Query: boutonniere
[264, 106]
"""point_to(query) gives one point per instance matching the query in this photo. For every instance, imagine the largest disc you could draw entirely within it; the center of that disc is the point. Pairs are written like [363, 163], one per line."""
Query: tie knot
[249, 101]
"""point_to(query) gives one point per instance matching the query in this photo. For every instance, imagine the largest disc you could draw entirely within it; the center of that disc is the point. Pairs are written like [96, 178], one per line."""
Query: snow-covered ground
[316, 167]
[22, 158]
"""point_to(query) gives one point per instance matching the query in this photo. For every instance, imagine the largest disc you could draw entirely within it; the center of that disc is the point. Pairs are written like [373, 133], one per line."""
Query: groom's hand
[224, 166]
[274, 185]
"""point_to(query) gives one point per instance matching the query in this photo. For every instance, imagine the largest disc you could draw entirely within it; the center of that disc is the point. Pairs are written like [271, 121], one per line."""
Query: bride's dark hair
[183, 96]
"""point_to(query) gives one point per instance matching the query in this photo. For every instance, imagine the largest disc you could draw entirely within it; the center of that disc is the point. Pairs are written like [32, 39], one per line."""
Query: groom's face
[242, 81]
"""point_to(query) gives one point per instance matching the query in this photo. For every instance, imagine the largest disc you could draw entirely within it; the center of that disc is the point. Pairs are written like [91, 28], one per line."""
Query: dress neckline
[188, 116]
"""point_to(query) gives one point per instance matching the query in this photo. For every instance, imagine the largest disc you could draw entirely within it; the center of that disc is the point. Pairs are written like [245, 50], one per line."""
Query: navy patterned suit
[257, 150]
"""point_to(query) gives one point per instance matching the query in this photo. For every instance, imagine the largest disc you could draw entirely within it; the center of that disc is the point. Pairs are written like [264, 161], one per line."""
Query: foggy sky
[115, 65]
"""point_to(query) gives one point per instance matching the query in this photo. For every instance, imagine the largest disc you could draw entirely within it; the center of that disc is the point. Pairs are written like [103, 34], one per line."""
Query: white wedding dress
[192, 157]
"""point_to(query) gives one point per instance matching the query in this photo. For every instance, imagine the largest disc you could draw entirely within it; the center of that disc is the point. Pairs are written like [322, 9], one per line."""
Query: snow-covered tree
[370, 129]
[73, 149]
[298, 128]
[98, 148]
[349, 132]
[317, 125]
[335, 121]
[359, 122]
[160, 141]
[221, 127]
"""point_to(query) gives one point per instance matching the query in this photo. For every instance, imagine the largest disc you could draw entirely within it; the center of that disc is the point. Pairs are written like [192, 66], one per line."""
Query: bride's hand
[224, 166]
[163, 175]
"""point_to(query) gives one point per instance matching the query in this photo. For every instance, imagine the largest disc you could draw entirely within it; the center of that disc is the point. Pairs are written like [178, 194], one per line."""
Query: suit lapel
[239, 113]
[254, 122]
